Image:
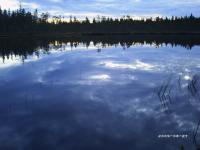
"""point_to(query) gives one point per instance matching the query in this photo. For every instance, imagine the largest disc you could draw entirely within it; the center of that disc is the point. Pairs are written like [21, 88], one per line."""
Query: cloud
[56, 1]
[30, 5]
[118, 8]
[14, 4]
[9, 4]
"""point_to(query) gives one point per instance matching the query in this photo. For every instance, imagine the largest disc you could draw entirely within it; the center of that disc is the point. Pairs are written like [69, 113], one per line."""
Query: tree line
[22, 21]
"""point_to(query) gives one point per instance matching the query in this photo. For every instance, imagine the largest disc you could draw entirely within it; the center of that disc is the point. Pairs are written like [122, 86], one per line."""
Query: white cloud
[9, 4]
[30, 5]
[56, 1]
[14, 4]
[111, 8]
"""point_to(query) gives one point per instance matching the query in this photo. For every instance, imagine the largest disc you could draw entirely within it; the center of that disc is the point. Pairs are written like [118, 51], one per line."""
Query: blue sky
[113, 8]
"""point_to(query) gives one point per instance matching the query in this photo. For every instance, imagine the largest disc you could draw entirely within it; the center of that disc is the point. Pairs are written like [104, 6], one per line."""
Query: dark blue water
[114, 99]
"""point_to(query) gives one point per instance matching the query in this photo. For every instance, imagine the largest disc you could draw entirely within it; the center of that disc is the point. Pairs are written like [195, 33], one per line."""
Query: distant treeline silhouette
[24, 47]
[22, 21]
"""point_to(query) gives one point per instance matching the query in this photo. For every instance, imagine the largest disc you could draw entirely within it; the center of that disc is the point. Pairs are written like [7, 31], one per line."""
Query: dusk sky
[112, 8]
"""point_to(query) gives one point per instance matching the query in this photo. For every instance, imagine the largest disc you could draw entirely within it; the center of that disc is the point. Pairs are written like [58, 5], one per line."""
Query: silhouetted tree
[20, 21]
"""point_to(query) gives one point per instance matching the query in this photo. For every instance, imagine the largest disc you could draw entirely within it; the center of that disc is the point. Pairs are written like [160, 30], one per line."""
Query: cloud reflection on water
[98, 101]
[103, 77]
[137, 65]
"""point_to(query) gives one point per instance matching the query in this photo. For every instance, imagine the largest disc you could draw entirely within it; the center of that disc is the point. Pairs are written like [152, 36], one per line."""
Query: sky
[109, 8]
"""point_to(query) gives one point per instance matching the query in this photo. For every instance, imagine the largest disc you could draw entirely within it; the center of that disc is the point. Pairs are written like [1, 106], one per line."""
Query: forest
[24, 22]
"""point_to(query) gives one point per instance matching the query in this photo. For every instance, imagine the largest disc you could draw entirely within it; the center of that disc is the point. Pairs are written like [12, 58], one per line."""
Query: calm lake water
[99, 96]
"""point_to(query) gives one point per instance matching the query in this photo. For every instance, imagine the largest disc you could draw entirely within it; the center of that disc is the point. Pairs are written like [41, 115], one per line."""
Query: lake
[100, 93]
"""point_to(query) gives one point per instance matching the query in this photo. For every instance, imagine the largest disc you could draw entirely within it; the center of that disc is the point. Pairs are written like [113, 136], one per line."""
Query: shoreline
[57, 34]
